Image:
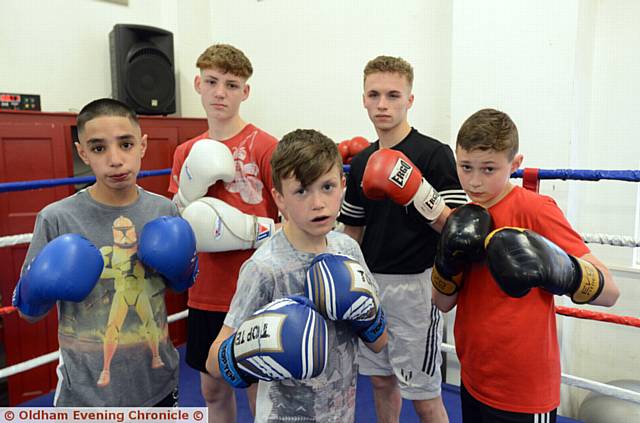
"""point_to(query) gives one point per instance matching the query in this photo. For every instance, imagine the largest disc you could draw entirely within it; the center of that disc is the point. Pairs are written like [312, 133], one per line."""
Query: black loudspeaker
[142, 68]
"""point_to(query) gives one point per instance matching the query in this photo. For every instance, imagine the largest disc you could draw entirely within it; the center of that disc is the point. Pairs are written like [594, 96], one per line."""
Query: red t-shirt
[250, 192]
[508, 347]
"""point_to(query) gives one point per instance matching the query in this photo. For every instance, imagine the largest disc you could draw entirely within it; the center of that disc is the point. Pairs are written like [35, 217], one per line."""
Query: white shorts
[414, 327]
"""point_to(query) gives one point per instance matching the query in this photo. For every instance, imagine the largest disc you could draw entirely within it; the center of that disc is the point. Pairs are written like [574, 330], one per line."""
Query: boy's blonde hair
[489, 129]
[388, 64]
[306, 154]
[226, 58]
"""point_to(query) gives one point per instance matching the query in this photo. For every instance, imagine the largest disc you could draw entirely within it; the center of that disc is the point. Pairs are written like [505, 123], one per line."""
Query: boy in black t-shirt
[403, 214]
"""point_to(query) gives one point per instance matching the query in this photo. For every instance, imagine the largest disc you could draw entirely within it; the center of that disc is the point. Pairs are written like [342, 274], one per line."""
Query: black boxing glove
[521, 259]
[461, 241]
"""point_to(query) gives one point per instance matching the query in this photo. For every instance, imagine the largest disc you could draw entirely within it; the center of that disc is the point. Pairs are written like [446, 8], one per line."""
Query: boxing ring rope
[50, 183]
[53, 356]
[578, 382]
[598, 315]
[582, 174]
[530, 179]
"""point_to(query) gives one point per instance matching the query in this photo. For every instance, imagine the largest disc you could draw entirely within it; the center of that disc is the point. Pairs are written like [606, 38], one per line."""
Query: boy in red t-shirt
[245, 184]
[503, 281]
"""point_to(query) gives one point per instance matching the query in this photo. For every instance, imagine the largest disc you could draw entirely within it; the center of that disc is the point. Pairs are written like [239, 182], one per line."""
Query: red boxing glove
[343, 148]
[390, 174]
[349, 148]
[357, 144]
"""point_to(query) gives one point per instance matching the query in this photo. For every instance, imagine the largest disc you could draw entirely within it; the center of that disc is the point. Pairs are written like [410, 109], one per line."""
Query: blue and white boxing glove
[341, 290]
[66, 269]
[286, 339]
[167, 245]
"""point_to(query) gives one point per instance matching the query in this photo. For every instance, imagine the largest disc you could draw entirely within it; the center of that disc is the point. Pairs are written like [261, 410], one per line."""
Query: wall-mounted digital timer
[11, 101]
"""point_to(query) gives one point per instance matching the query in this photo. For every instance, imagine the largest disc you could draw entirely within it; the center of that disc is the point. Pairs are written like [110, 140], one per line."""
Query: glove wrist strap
[590, 281]
[375, 329]
[229, 369]
[428, 201]
[444, 285]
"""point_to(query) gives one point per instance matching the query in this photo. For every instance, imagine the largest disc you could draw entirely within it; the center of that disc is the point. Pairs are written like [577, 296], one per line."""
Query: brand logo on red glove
[400, 173]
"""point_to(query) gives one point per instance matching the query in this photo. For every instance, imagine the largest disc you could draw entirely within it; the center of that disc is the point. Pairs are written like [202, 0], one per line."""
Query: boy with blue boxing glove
[303, 344]
[102, 254]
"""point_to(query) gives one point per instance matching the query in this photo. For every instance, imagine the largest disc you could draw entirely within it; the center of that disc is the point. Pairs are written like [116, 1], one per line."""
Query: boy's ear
[277, 198]
[343, 181]
[410, 101]
[246, 90]
[81, 152]
[196, 83]
[143, 145]
[516, 162]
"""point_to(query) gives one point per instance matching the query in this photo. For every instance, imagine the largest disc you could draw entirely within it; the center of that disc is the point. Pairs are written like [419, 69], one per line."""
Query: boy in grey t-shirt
[308, 181]
[91, 255]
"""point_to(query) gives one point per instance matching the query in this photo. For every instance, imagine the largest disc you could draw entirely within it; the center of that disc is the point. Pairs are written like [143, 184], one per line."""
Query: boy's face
[484, 175]
[311, 211]
[221, 93]
[113, 147]
[387, 98]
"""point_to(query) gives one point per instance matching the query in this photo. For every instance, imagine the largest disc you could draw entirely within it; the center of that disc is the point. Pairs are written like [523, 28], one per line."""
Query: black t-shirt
[398, 239]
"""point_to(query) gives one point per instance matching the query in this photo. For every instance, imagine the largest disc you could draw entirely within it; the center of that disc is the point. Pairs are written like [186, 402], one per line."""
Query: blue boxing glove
[286, 339]
[167, 245]
[66, 269]
[341, 290]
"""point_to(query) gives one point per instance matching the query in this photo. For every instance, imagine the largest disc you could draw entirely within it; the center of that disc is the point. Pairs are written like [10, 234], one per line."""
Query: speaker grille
[150, 82]
[149, 51]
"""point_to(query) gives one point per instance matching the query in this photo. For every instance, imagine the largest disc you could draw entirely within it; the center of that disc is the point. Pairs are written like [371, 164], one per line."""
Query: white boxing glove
[208, 161]
[221, 227]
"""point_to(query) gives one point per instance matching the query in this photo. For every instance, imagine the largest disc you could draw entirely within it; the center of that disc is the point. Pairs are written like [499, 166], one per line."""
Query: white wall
[567, 72]
[308, 59]
[60, 48]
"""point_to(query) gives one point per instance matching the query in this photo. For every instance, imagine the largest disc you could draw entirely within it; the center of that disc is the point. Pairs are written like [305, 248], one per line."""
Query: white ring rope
[53, 356]
[29, 364]
[615, 240]
[7, 241]
[601, 388]
[578, 382]
[597, 238]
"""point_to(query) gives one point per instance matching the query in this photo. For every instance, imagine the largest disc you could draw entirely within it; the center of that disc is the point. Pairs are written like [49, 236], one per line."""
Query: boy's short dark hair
[226, 58]
[105, 107]
[489, 129]
[384, 64]
[306, 154]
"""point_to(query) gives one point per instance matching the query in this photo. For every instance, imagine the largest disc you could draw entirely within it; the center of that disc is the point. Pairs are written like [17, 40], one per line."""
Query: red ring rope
[596, 315]
[565, 311]
[7, 310]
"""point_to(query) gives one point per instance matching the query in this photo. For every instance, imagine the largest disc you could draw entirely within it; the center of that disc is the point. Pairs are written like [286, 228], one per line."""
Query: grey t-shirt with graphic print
[277, 270]
[125, 312]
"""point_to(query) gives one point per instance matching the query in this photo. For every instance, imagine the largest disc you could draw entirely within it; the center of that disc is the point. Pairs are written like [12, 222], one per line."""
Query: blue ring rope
[563, 174]
[584, 174]
[49, 183]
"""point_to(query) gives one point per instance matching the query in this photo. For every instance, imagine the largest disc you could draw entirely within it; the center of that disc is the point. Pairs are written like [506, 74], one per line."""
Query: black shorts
[474, 411]
[202, 329]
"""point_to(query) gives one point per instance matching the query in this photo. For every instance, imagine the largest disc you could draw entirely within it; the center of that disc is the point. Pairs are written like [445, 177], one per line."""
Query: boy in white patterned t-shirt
[308, 183]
